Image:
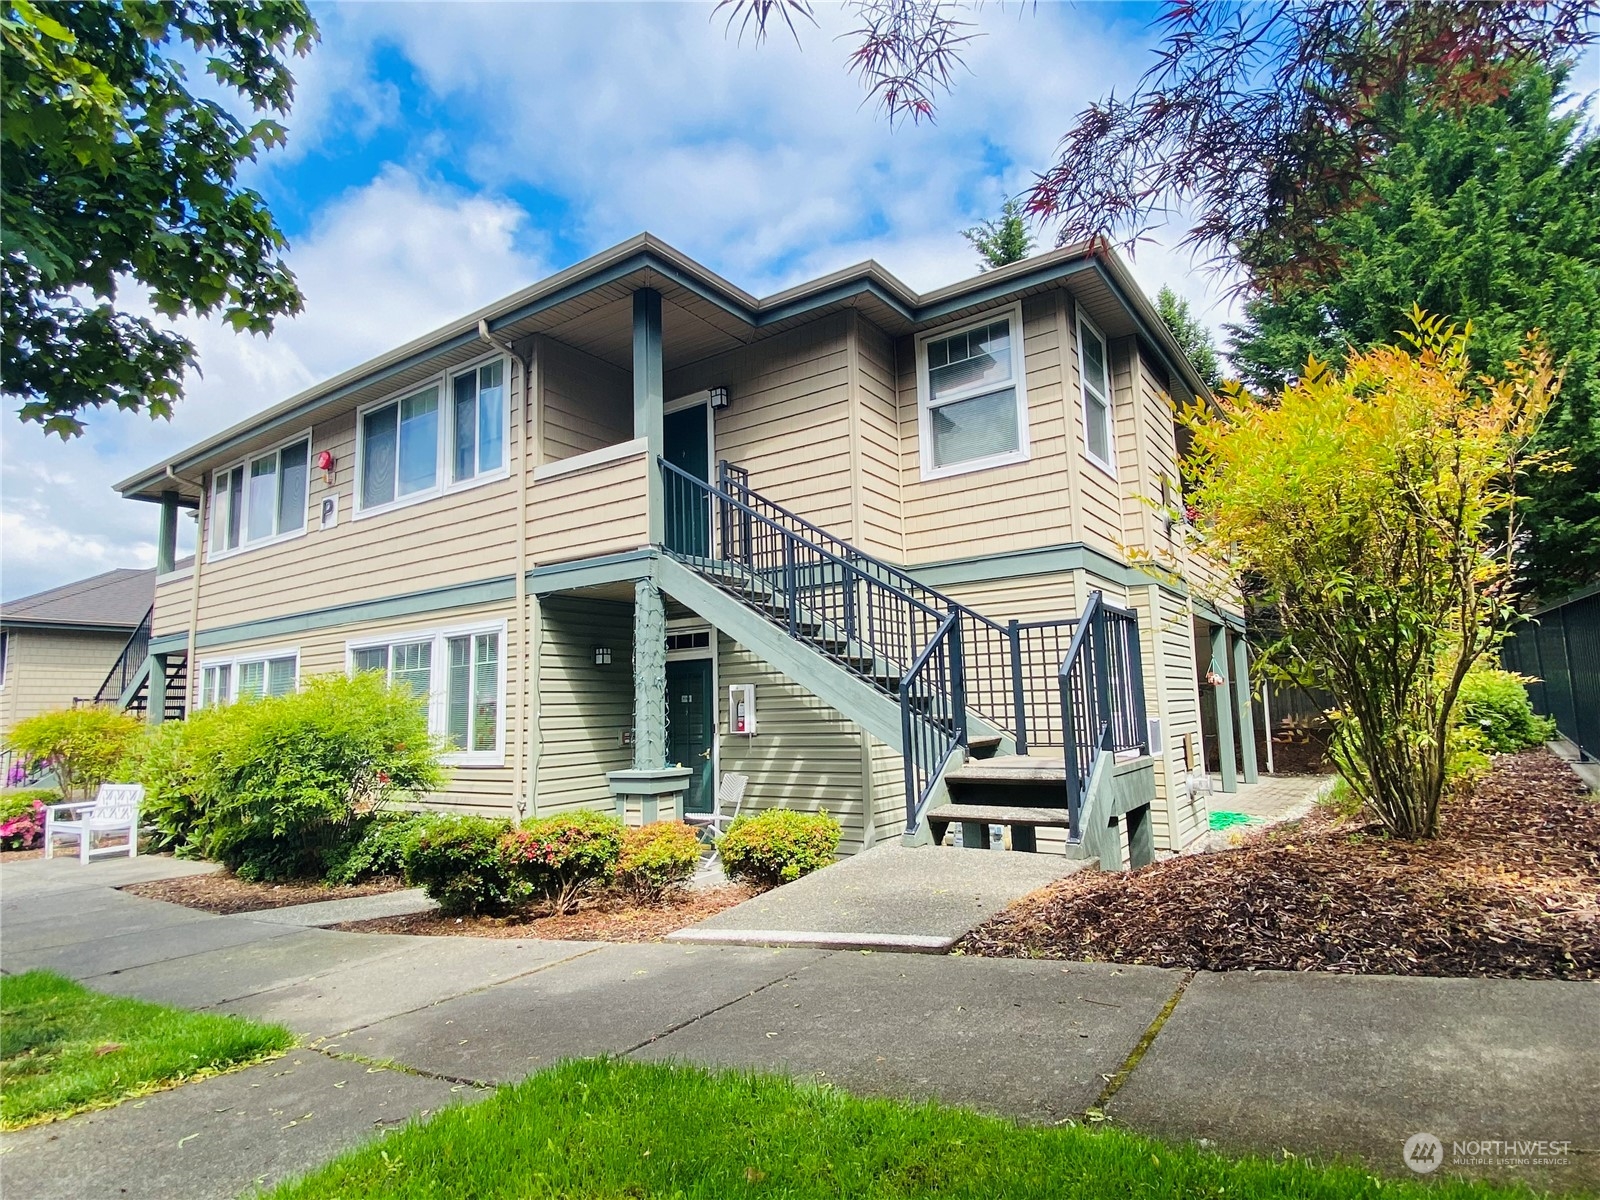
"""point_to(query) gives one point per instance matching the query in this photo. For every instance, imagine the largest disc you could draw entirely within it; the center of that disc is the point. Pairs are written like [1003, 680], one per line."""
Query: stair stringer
[873, 710]
[1124, 790]
[140, 678]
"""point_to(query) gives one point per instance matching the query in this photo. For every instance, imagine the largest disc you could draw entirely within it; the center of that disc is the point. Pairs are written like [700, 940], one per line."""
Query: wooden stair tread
[1011, 768]
[998, 814]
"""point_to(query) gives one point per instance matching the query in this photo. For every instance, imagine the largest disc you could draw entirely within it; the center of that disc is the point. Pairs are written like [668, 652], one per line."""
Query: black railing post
[1100, 662]
[909, 751]
[1018, 686]
[789, 587]
[1069, 736]
[1141, 728]
[958, 680]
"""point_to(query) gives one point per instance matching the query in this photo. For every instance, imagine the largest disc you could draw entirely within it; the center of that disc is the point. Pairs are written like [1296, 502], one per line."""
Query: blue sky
[441, 155]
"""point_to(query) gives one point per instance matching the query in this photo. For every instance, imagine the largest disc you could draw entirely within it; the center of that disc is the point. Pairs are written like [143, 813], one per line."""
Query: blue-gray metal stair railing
[1102, 698]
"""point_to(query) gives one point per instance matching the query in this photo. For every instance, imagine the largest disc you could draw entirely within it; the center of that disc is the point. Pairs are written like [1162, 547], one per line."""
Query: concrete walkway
[396, 1026]
[889, 897]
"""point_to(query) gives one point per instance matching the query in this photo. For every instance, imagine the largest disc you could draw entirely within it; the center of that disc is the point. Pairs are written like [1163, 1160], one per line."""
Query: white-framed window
[448, 433]
[1099, 427]
[478, 422]
[972, 395]
[262, 499]
[458, 674]
[248, 676]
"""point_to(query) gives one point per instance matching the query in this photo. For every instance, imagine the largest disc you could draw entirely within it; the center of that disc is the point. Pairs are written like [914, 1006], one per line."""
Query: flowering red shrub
[22, 819]
[558, 857]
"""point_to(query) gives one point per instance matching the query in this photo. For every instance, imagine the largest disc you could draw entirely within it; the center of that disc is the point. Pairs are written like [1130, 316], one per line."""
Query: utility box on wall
[742, 709]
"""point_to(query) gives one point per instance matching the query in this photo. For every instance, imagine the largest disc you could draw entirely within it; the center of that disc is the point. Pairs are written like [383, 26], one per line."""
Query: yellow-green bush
[778, 846]
[657, 858]
[83, 746]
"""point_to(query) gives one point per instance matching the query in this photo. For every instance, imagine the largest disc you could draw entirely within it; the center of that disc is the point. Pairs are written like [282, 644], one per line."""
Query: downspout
[519, 792]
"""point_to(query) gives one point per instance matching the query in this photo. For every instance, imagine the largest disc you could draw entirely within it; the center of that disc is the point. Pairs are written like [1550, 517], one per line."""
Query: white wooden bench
[115, 809]
[730, 799]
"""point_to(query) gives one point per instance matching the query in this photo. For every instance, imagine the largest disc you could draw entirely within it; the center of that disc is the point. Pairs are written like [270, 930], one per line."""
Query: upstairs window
[260, 499]
[1099, 435]
[449, 434]
[478, 434]
[400, 448]
[972, 395]
[457, 675]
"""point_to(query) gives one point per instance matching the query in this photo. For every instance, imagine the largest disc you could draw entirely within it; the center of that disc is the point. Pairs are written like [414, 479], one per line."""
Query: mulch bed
[603, 919]
[1511, 889]
[224, 892]
[7, 856]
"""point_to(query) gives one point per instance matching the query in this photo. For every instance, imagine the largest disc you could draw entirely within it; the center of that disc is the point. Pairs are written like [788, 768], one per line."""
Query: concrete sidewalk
[1314, 1064]
[890, 897]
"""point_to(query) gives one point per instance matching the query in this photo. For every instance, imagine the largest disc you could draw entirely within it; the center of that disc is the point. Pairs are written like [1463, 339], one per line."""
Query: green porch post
[167, 534]
[648, 397]
[156, 690]
[649, 677]
[1247, 716]
[1224, 706]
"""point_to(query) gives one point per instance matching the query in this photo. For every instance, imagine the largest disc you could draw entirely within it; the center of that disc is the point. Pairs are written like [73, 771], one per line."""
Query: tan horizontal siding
[881, 526]
[788, 420]
[1015, 507]
[460, 537]
[49, 669]
[172, 603]
[598, 510]
[585, 710]
[805, 755]
[588, 403]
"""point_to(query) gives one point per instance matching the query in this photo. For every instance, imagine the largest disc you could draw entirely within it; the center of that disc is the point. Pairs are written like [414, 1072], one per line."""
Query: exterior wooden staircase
[946, 687]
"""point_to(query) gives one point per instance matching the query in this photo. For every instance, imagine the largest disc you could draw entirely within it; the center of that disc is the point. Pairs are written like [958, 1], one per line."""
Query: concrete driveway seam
[711, 1012]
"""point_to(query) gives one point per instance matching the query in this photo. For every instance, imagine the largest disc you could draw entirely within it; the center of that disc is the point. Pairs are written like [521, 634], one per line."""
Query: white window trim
[244, 547]
[438, 682]
[1110, 468]
[235, 661]
[925, 396]
[444, 449]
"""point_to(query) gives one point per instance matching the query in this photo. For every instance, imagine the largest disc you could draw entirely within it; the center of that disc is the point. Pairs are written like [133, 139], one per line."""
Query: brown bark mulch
[602, 919]
[224, 892]
[1510, 889]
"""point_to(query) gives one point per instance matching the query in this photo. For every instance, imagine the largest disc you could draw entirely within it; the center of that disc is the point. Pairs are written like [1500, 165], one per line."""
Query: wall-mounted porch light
[719, 397]
[602, 656]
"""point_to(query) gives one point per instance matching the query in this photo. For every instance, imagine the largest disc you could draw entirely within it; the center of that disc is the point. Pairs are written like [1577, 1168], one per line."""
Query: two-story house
[632, 528]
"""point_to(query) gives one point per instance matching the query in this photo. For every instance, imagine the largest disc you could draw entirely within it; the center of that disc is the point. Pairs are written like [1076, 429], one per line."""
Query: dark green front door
[691, 727]
[686, 445]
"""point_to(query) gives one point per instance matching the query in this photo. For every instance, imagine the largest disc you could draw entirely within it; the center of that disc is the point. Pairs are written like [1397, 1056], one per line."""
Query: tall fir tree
[1494, 217]
[1193, 338]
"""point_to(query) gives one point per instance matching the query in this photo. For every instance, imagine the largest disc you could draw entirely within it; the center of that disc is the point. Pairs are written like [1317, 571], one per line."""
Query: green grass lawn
[64, 1049]
[600, 1128]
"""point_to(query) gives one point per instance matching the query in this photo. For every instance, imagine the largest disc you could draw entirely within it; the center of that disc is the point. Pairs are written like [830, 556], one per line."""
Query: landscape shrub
[22, 818]
[180, 764]
[460, 862]
[778, 846]
[83, 746]
[656, 859]
[557, 858]
[378, 847]
[1495, 703]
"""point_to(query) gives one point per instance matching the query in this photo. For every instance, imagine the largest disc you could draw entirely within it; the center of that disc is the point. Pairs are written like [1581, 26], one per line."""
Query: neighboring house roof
[716, 315]
[114, 600]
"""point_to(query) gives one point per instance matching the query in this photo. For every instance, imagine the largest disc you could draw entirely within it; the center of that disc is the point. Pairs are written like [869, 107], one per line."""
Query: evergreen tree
[1193, 338]
[1492, 217]
[1001, 241]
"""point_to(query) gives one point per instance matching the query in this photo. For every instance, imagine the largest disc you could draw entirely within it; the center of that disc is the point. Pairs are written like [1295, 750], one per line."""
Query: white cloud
[382, 264]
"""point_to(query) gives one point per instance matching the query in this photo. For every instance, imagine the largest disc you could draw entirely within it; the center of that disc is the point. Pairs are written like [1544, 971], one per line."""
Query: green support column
[156, 690]
[1224, 706]
[648, 397]
[649, 677]
[167, 534]
[1247, 716]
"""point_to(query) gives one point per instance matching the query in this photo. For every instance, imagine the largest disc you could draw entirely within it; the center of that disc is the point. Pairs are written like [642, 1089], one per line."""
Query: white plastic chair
[115, 809]
[730, 798]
